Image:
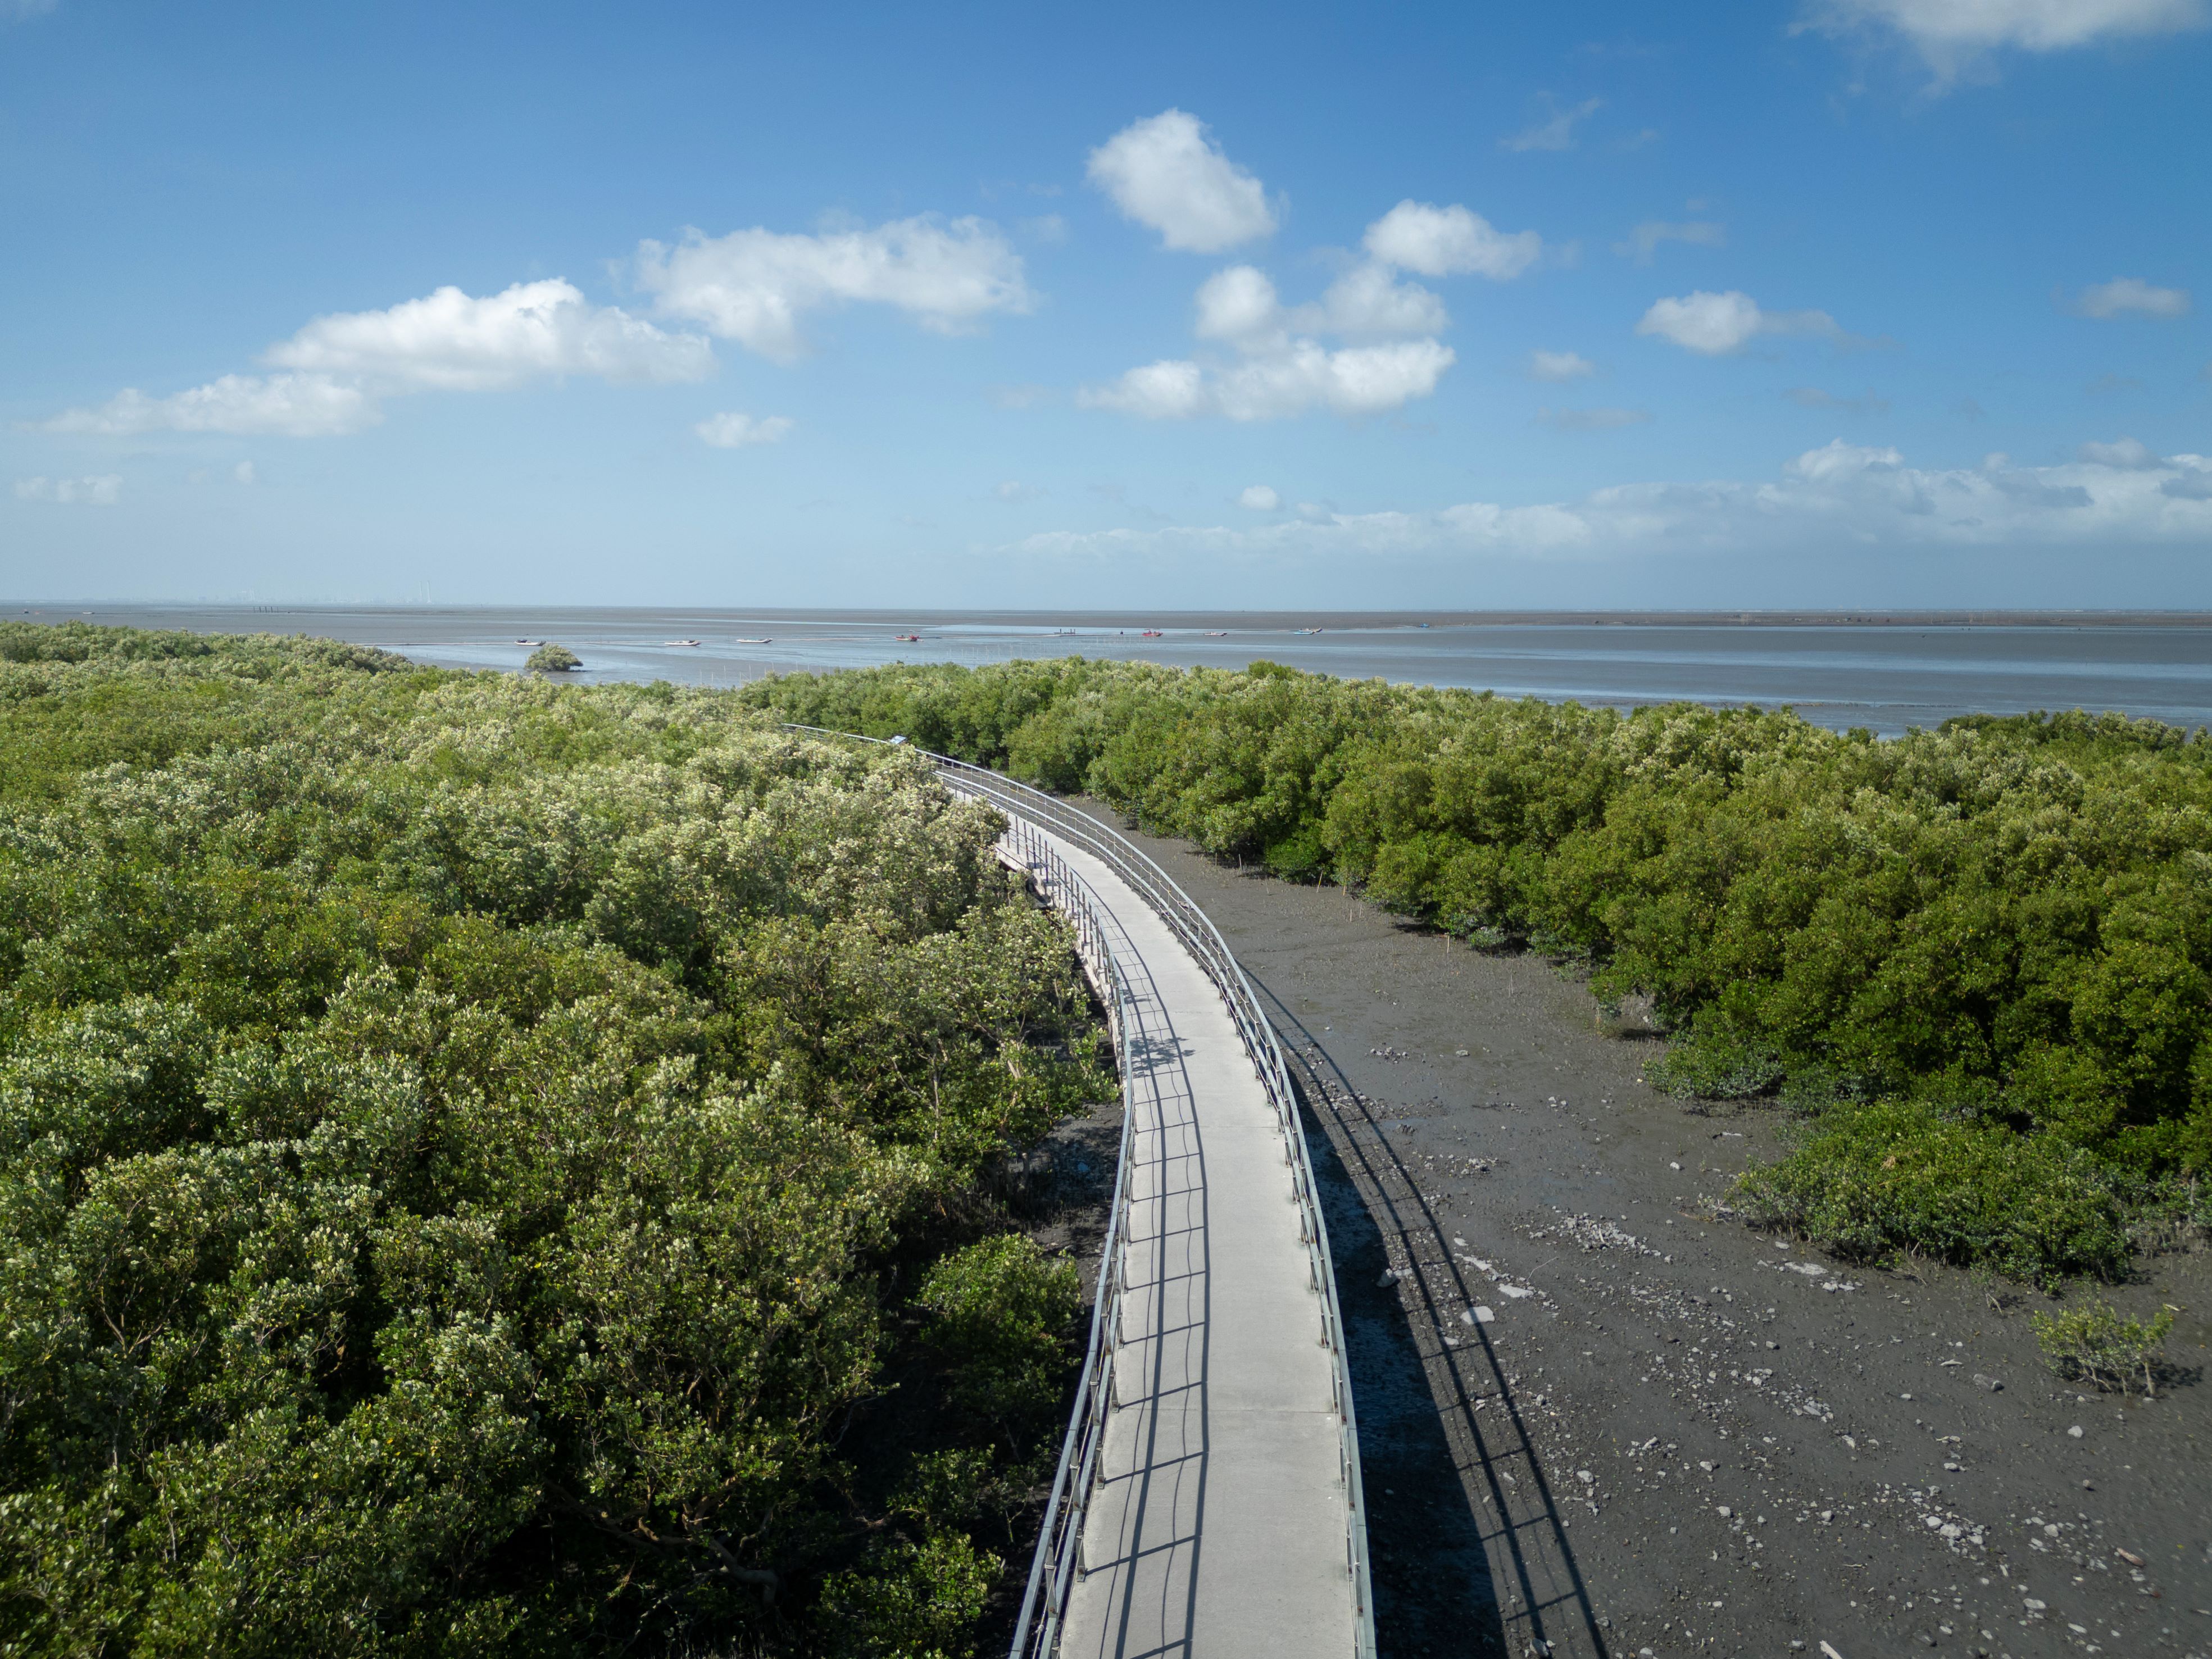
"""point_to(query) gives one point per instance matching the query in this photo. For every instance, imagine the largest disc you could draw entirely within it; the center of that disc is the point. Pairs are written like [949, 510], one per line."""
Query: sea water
[1889, 675]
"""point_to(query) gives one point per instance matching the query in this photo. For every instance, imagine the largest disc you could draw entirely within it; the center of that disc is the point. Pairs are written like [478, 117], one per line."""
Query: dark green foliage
[2007, 922]
[460, 1142]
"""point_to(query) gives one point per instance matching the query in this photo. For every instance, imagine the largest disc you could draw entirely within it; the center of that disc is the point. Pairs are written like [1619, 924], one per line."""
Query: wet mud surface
[1596, 1420]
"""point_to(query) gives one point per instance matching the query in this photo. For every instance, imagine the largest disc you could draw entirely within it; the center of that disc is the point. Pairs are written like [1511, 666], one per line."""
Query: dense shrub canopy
[2002, 928]
[488, 1167]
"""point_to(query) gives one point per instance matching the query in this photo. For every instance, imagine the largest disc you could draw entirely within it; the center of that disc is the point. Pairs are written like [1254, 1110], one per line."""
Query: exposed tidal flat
[1886, 670]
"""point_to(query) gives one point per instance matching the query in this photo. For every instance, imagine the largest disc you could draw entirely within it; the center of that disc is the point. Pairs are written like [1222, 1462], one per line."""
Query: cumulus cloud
[1239, 303]
[2128, 455]
[1450, 242]
[1302, 375]
[1368, 300]
[1260, 498]
[1556, 130]
[1951, 35]
[754, 286]
[450, 341]
[286, 405]
[1389, 353]
[1592, 420]
[1165, 173]
[733, 431]
[2131, 296]
[1559, 366]
[1838, 495]
[1644, 241]
[1715, 325]
[103, 490]
[332, 373]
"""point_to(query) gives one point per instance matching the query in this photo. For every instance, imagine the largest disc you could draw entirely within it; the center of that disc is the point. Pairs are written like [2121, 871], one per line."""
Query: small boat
[689, 642]
[529, 641]
[756, 641]
[1305, 630]
[909, 639]
[1152, 634]
[1217, 633]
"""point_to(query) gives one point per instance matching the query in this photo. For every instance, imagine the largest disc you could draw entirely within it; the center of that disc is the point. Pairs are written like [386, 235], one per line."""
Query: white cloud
[1166, 174]
[1715, 325]
[1013, 492]
[1951, 34]
[1592, 420]
[244, 474]
[1556, 130]
[1644, 241]
[1279, 368]
[2129, 454]
[104, 491]
[1368, 301]
[753, 286]
[286, 405]
[450, 341]
[1260, 498]
[1839, 496]
[2126, 297]
[1240, 306]
[1559, 366]
[1450, 242]
[732, 430]
[1302, 376]
[1238, 303]
[333, 371]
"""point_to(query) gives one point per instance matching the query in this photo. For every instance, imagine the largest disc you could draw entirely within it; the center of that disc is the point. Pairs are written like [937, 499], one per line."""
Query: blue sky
[1840, 303]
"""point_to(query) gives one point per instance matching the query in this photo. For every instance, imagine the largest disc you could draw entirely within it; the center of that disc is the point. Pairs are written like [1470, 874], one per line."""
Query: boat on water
[689, 642]
[1305, 630]
[1217, 633]
[908, 639]
[1152, 634]
[756, 641]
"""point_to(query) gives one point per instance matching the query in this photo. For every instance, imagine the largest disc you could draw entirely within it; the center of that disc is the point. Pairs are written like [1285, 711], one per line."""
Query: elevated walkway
[1207, 1503]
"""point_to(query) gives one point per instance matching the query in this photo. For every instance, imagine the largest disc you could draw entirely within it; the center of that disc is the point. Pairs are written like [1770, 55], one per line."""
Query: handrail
[1060, 1530]
[1199, 934]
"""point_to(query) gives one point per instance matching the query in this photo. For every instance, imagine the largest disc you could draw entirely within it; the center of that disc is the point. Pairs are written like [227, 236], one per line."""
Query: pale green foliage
[2095, 1343]
[457, 1136]
[552, 658]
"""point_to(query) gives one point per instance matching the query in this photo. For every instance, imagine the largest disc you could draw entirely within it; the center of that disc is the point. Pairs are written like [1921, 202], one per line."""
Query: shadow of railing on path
[1520, 1588]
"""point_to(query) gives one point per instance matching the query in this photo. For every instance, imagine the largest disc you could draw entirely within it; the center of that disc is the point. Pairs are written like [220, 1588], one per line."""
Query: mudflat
[1598, 1415]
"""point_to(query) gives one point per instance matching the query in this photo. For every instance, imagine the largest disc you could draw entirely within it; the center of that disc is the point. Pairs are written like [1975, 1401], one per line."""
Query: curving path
[1218, 1519]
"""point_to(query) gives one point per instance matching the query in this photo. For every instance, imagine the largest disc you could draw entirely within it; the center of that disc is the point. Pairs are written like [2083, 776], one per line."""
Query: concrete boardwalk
[1217, 1524]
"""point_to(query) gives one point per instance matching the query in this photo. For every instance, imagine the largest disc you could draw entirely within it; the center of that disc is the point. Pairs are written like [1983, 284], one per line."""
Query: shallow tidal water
[1889, 674]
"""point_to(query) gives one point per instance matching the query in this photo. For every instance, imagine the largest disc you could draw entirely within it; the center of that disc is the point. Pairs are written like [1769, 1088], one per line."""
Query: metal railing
[1051, 1573]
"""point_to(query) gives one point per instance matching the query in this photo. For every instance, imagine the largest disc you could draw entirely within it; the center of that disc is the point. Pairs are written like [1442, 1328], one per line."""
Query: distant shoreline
[56, 610]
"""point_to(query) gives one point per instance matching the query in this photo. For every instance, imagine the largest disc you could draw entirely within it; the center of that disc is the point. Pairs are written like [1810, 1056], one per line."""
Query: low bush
[2094, 1343]
[1875, 1182]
